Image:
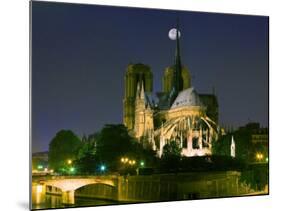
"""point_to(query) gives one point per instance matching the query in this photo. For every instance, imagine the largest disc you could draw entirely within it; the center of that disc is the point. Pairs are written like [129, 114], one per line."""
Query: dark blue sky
[80, 53]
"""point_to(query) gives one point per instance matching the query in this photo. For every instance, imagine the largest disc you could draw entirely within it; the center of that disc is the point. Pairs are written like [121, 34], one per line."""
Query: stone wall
[166, 187]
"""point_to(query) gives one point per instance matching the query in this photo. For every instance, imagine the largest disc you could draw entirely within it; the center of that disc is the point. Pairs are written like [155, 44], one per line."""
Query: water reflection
[40, 200]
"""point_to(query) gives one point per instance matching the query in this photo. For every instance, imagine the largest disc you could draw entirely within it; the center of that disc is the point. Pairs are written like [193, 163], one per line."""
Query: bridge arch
[74, 184]
[97, 191]
[68, 186]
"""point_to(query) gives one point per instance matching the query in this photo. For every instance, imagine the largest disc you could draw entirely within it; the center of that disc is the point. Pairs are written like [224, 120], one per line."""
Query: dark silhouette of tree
[222, 146]
[87, 161]
[107, 147]
[88, 164]
[63, 147]
[88, 146]
[171, 149]
[171, 156]
[243, 145]
[112, 143]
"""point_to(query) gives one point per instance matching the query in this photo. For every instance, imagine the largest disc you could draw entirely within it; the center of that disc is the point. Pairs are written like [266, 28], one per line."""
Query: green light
[266, 159]
[102, 168]
[40, 167]
[142, 164]
[72, 169]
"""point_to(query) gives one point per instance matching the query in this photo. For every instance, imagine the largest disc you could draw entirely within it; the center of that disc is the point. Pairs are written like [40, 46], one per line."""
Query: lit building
[135, 74]
[260, 137]
[178, 113]
[39, 159]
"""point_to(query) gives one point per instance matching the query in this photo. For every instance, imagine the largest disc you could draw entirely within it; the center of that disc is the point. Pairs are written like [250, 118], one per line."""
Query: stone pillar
[200, 139]
[181, 140]
[68, 197]
[162, 142]
[210, 138]
[189, 143]
[38, 193]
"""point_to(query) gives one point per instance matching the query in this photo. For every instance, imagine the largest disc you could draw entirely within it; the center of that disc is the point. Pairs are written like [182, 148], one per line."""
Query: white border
[14, 112]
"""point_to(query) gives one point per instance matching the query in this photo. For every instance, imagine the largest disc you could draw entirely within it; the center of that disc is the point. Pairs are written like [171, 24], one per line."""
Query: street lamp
[259, 156]
[40, 167]
[125, 160]
[69, 161]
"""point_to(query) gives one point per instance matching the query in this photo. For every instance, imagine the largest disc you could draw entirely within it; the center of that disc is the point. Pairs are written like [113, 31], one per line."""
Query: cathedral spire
[232, 148]
[177, 69]
[142, 91]
[178, 83]
[138, 90]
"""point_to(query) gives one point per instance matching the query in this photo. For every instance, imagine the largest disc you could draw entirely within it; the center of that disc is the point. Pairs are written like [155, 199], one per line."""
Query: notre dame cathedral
[178, 113]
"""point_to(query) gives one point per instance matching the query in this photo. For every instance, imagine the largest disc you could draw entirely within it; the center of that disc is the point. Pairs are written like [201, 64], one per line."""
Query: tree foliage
[64, 146]
[243, 145]
[112, 143]
[87, 160]
[171, 156]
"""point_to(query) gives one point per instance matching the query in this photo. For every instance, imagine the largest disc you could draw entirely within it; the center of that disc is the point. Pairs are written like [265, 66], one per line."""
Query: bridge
[139, 188]
[68, 184]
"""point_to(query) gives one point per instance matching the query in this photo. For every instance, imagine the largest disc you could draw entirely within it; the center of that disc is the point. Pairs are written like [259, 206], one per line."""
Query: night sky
[80, 54]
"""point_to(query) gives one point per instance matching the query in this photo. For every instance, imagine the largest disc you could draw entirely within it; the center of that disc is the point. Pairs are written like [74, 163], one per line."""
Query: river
[40, 201]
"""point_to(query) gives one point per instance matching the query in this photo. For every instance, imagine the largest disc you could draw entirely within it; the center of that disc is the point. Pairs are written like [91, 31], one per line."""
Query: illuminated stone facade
[168, 78]
[178, 113]
[136, 73]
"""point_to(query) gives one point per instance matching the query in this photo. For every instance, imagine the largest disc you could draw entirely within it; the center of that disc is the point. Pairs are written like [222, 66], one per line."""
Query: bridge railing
[60, 177]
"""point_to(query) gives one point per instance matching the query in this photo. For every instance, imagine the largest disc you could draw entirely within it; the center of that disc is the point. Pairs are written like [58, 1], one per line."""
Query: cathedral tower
[135, 74]
[168, 78]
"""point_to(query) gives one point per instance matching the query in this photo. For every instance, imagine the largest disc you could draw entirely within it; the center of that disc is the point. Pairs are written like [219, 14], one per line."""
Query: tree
[222, 146]
[88, 146]
[171, 156]
[88, 164]
[64, 146]
[243, 145]
[87, 160]
[112, 143]
[172, 149]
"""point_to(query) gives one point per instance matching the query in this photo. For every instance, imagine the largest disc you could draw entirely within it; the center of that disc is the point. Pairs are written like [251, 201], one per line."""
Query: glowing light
[39, 188]
[102, 168]
[259, 156]
[45, 169]
[69, 161]
[72, 169]
[52, 170]
[142, 163]
[40, 167]
[126, 160]
[133, 162]
[266, 159]
[122, 160]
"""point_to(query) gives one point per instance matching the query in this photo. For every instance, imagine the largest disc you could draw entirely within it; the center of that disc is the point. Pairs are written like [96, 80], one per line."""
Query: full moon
[173, 34]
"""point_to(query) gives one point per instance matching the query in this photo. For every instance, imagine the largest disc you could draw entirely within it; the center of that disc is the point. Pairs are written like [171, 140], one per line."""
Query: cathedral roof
[187, 97]
[149, 99]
